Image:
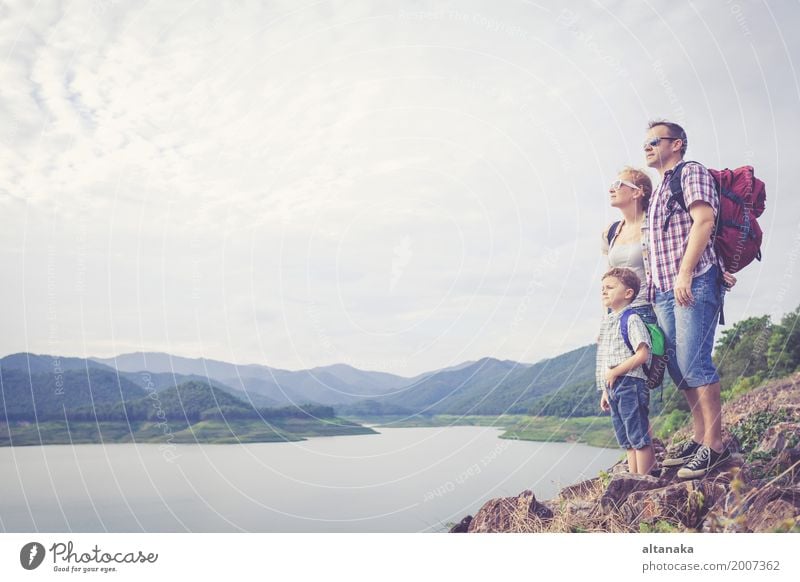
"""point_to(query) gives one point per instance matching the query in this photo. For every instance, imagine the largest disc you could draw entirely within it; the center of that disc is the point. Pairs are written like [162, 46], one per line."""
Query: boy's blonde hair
[625, 276]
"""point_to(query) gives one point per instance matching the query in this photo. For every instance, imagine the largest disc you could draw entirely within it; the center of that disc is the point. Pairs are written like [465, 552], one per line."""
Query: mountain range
[556, 386]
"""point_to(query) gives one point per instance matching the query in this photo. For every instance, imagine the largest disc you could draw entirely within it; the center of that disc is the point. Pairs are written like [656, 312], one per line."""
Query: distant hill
[163, 380]
[159, 362]
[490, 387]
[55, 366]
[45, 395]
[338, 383]
[38, 364]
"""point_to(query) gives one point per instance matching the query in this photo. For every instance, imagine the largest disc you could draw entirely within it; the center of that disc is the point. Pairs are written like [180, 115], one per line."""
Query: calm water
[402, 480]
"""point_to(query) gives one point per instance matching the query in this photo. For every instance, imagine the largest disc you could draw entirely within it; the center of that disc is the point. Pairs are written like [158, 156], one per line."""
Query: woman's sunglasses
[617, 184]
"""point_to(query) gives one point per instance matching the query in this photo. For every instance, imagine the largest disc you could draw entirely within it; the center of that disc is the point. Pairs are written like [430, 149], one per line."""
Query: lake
[401, 480]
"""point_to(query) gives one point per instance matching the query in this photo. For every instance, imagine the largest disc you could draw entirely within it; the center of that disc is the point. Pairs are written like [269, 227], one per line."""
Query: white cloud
[299, 185]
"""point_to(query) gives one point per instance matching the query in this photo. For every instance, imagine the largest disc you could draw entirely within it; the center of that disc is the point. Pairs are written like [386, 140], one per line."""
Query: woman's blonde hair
[642, 180]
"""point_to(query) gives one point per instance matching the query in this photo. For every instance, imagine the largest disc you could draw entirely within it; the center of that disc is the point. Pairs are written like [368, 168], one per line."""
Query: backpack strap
[623, 327]
[676, 200]
[612, 232]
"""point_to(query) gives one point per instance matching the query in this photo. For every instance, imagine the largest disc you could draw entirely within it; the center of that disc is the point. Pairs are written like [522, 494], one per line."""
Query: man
[684, 284]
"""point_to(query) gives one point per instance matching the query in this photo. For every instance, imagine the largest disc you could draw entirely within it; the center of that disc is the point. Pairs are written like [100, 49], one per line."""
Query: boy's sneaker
[681, 455]
[705, 460]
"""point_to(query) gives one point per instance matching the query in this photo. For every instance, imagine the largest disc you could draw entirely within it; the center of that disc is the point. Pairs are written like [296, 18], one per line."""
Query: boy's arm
[605, 406]
[637, 359]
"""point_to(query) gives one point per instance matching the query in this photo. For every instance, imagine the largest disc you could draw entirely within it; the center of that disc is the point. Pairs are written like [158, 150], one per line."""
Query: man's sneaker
[705, 460]
[681, 454]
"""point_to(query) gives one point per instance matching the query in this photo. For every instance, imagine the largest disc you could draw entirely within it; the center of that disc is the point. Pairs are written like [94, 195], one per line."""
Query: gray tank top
[630, 255]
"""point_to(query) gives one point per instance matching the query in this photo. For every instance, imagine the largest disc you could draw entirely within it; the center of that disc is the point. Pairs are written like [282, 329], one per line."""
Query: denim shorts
[689, 331]
[630, 406]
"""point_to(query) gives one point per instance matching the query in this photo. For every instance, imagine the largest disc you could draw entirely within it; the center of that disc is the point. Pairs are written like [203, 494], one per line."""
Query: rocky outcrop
[462, 526]
[757, 490]
[511, 514]
[582, 489]
[622, 485]
[684, 503]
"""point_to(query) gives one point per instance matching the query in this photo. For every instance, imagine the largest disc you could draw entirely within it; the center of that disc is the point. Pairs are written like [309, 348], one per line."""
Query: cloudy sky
[400, 186]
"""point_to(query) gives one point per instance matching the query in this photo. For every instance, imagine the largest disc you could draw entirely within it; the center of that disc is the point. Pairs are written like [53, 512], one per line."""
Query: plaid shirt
[611, 348]
[667, 247]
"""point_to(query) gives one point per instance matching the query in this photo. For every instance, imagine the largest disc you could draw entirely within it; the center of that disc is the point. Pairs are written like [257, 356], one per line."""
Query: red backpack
[742, 198]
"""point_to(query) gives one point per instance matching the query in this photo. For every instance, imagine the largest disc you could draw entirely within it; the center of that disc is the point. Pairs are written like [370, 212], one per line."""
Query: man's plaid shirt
[667, 248]
[611, 348]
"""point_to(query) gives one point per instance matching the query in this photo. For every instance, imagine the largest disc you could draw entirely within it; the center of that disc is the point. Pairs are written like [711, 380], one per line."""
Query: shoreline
[592, 430]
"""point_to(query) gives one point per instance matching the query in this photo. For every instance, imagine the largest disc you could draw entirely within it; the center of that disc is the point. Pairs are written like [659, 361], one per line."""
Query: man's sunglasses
[654, 141]
[617, 184]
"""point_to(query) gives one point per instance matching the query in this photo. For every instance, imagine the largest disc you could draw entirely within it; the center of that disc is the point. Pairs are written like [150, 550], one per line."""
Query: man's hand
[683, 290]
[605, 406]
[728, 279]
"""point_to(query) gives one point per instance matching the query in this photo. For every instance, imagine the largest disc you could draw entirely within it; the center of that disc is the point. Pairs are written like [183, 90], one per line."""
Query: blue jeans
[646, 312]
[630, 405]
[689, 331]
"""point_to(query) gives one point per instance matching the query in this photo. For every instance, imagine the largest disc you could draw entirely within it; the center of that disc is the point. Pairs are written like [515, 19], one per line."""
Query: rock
[462, 526]
[577, 510]
[669, 474]
[620, 468]
[778, 515]
[659, 450]
[781, 436]
[763, 509]
[511, 514]
[686, 503]
[788, 462]
[581, 489]
[771, 507]
[623, 484]
[783, 469]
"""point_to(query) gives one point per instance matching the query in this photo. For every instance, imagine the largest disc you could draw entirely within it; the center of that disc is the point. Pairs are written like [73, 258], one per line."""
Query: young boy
[619, 373]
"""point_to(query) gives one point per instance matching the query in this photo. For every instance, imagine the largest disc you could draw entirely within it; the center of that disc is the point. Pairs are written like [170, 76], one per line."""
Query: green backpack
[658, 357]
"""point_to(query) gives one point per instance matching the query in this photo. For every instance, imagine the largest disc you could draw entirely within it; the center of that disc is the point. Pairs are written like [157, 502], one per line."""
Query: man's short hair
[642, 180]
[627, 277]
[674, 130]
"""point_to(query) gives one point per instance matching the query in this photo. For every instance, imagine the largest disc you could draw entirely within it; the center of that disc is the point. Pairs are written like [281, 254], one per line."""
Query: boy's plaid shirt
[667, 248]
[611, 347]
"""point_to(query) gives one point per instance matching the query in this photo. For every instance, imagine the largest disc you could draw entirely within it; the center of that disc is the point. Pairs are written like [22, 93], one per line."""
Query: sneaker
[681, 455]
[705, 460]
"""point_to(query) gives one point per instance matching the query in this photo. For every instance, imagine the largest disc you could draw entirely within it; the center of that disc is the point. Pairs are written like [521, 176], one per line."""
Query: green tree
[783, 352]
[741, 351]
